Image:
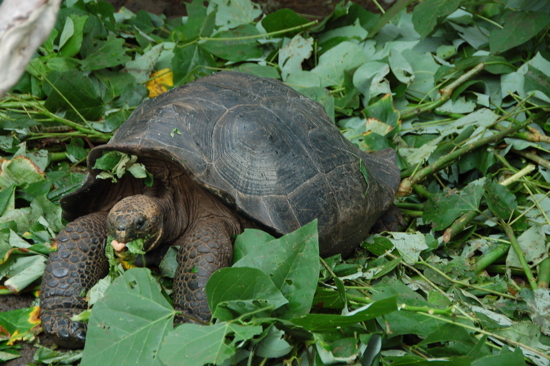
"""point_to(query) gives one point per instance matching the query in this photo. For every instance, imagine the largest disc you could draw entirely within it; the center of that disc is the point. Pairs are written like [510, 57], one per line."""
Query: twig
[534, 157]
[489, 258]
[501, 338]
[466, 218]
[544, 273]
[405, 187]
[519, 253]
[445, 93]
[534, 135]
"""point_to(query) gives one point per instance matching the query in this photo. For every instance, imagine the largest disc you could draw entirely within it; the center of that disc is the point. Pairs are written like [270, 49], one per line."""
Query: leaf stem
[412, 213]
[510, 233]
[62, 96]
[460, 223]
[534, 157]
[489, 258]
[465, 284]
[405, 187]
[501, 338]
[533, 136]
[544, 273]
[445, 93]
[262, 35]
[411, 206]
[427, 310]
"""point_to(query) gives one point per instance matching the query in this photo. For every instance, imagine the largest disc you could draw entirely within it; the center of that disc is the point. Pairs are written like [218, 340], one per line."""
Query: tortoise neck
[183, 202]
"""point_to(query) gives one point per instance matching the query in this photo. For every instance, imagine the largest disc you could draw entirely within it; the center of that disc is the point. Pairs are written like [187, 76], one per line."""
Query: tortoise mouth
[146, 244]
[152, 241]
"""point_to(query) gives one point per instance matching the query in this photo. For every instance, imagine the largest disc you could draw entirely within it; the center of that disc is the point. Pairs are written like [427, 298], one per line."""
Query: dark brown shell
[265, 150]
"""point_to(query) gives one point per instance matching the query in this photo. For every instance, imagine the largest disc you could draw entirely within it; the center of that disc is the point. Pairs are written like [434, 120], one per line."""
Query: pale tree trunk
[24, 26]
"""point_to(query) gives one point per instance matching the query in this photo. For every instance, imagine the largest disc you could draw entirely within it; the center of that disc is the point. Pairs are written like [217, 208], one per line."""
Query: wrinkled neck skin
[183, 203]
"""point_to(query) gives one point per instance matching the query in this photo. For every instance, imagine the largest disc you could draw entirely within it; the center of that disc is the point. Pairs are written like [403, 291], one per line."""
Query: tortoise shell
[266, 151]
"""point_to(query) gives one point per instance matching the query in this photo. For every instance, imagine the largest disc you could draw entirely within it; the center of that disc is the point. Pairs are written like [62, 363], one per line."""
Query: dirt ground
[13, 302]
[313, 9]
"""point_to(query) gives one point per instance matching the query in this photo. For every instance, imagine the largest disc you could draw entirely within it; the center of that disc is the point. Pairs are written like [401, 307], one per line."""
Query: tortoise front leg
[205, 249]
[77, 265]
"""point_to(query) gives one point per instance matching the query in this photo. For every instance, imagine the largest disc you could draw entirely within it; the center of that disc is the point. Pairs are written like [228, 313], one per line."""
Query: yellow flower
[159, 82]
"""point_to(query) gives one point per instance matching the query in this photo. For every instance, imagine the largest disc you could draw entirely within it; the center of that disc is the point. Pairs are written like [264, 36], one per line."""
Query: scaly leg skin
[72, 270]
[204, 250]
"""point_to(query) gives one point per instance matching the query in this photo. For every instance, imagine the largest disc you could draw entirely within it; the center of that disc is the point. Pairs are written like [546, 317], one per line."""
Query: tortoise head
[136, 217]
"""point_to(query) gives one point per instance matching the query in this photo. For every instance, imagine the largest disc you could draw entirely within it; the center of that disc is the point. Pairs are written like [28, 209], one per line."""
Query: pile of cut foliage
[460, 89]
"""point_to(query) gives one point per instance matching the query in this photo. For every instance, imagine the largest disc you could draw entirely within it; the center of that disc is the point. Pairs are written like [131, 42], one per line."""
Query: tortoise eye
[140, 223]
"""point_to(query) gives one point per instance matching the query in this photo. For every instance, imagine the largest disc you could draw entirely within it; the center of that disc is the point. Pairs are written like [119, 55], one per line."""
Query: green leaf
[128, 325]
[293, 54]
[18, 172]
[321, 96]
[70, 45]
[232, 13]
[232, 292]
[505, 358]
[68, 31]
[536, 73]
[135, 246]
[283, 19]
[519, 27]
[326, 322]
[235, 50]
[424, 68]
[301, 80]
[401, 68]
[500, 200]
[443, 208]
[198, 23]
[258, 70]
[115, 164]
[20, 324]
[188, 61]
[108, 161]
[48, 356]
[409, 245]
[533, 245]
[103, 54]
[169, 264]
[273, 345]
[384, 111]
[144, 65]
[73, 88]
[24, 271]
[197, 345]
[291, 262]
[427, 14]
[115, 82]
[334, 62]
[370, 80]
[22, 217]
[449, 332]
[51, 212]
[7, 199]
[354, 33]
[75, 150]
[142, 20]
[248, 241]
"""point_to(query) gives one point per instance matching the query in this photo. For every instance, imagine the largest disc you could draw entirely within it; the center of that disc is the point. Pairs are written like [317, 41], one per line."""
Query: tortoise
[229, 151]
